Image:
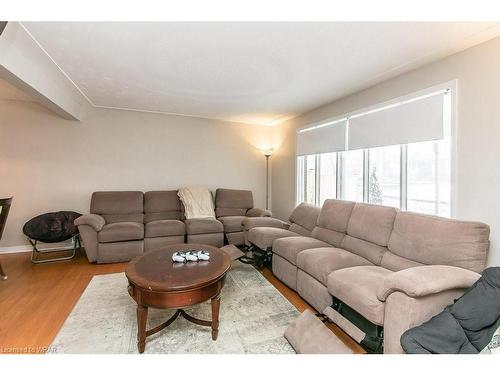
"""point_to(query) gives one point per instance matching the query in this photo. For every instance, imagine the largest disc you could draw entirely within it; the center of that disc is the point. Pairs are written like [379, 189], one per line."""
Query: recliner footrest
[344, 324]
[308, 335]
[355, 322]
[233, 252]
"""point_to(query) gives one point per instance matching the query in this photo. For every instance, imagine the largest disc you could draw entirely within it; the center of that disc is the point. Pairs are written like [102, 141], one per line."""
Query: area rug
[253, 318]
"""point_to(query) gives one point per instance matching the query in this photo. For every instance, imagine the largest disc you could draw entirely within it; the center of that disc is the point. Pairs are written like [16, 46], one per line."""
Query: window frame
[318, 182]
[451, 88]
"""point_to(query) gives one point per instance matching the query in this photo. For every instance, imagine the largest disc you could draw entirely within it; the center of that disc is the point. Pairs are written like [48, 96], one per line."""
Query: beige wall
[477, 71]
[48, 163]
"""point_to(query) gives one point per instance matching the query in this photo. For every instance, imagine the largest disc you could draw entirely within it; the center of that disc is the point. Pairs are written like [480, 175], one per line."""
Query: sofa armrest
[258, 212]
[402, 313]
[92, 220]
[425, 280]
[254, 222]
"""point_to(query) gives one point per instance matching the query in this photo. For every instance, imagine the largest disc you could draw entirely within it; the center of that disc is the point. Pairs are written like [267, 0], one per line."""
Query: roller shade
[322, 139]
[415, 121]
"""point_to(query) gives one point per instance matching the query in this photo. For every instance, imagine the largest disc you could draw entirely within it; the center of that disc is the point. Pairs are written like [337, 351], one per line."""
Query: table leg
[215, 316]
[3, 276]
[142, 317]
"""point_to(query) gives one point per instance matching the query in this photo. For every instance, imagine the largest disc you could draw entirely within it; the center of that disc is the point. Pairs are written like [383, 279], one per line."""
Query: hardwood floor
[36, 299]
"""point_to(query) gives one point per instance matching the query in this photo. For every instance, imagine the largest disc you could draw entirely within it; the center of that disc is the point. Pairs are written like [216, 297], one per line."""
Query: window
[327, 176]
[352, 175]
[384, 177]
[429, 178]
[301, 161]
[400, 156]
[310, 179]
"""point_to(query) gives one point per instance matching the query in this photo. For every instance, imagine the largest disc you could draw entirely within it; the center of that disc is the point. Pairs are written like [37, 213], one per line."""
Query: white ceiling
[260, 73]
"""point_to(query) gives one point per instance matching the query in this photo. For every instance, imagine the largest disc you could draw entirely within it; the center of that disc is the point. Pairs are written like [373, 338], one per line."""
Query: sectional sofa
[376, 271]
[260, 232]
[123, 224]
[301, 223]
[373, 270]
[232, 208]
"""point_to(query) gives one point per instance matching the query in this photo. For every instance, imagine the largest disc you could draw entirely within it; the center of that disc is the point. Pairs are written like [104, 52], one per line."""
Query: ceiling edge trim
[181, 114]
[56, 64]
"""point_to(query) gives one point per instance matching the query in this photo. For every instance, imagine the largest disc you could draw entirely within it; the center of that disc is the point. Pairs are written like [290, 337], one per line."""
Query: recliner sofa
[232, 207]
[163, 217]
[262, 232]
[123, 224]
[114, 229]
[378, 271]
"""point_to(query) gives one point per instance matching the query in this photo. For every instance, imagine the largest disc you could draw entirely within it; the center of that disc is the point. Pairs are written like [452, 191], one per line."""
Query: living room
[229, 187]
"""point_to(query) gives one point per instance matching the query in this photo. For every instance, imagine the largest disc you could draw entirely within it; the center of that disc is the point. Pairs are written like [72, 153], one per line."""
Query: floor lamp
[267, 154]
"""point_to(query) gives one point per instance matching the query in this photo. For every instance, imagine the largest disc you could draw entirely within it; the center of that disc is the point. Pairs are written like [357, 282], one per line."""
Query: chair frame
[35, 253]
[5, 204]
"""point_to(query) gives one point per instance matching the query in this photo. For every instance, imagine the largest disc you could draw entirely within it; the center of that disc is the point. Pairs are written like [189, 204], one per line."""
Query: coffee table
[155, 281]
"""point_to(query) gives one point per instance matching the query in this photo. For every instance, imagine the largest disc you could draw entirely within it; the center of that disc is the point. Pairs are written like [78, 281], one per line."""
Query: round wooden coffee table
[155, 281]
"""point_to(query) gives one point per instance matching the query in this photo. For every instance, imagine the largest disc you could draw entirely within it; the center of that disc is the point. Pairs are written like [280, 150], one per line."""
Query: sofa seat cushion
[165, 228]
[124, 231]
[357, 287]
[232, 223]
[320, 262]
[289, 247]
[257, 222]
[263, 237]
[203, 226]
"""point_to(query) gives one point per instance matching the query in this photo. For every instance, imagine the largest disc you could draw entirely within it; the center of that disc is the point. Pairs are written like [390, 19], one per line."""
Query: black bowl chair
[52, 227]
[4, 212]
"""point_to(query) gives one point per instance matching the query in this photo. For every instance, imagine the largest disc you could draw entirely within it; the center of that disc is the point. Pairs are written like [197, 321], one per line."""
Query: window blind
[322, 139]
[414, 121]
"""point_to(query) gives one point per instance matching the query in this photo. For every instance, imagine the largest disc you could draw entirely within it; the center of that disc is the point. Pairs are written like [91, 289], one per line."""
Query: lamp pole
[267, 180]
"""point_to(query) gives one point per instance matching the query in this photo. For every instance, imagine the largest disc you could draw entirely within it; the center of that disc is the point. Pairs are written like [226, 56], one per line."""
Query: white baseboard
[28, 248]
[15, 249]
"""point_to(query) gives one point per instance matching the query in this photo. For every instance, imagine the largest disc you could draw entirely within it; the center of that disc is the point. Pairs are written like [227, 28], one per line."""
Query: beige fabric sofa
[163, 217]
[124, 224]
[232, 207]
[113, 231]
[207, 231]
[393, 269]
[261, 232]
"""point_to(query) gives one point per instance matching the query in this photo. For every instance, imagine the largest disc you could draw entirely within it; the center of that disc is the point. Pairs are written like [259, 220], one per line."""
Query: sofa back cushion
[332, 221]
[162, 205]
[231, 202]
[430, 239]
[118, 206]
[303, 218]
[369, 230]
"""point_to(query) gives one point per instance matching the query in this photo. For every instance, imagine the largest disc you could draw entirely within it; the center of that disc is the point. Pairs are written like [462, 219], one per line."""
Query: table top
[156, 271]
